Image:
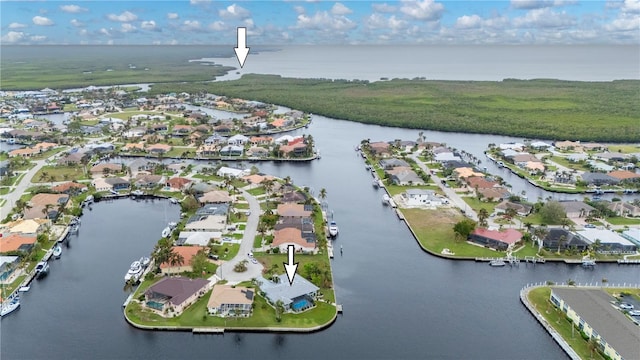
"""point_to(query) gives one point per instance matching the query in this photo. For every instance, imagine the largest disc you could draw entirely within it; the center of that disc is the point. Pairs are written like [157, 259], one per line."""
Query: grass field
[434, 229]
[476, 204]
[623, 221]
[58, 173]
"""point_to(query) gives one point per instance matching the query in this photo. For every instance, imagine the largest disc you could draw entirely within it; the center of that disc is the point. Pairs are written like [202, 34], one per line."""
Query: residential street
[225, 271]
[20, 188]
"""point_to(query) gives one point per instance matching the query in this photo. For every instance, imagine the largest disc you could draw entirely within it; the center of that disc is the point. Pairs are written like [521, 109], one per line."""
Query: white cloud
[126, 16]
[83, 32]
[531, 4]
[172, 16]
[218, 26]
[234, 12]
[77, 23]
[627, 23]
[149, 25]
[631, 6]
[322, 20]
[104, 31]
[13, 37]
[469, 22]
[16, 25]
[384, 8]
[299, 9]
[73, 9]
[340, 9]
[38, 38]
[127, 28]
[42, 21]
[544, 18]
[191, 25]
[428, 10]
[378, 21]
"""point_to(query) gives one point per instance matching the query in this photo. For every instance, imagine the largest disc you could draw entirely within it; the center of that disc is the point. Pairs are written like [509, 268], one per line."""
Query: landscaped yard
[434, 229]
[623, 221]
[226, 255]
[257, 191]
[476, 204]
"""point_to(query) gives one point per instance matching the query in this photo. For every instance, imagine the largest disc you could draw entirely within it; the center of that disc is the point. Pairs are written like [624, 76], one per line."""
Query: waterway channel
[399, 302]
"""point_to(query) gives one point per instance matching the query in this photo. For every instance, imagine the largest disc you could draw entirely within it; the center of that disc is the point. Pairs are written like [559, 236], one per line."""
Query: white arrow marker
[242, 51]
[291, 267]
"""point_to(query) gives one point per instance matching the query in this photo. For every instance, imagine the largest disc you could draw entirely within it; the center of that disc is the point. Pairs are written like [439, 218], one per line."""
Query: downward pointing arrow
[242, 51]
[291, 267]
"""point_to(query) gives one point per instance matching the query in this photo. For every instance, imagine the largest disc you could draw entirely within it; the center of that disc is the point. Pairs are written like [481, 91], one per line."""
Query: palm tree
[287, 180]
[262, 229]
[483, 215]
[175, 259]
[561, 240]
[323, 194]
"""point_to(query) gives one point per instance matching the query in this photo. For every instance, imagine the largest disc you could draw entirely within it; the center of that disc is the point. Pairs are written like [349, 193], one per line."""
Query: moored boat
[166, 232]
[135, 270]
[333, 229]
[497, 262]
[10, 305]
[375, 183]
[42, 269]
[57, 252]
[386, 199]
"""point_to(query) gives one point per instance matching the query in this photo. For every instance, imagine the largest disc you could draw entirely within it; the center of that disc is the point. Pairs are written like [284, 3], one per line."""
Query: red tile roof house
[380, 148]
[178, 183]
[293, 210]
[172, 295]
[16, 243]
[187, 253]
[292, 236]
[69, 187]
[499, 240]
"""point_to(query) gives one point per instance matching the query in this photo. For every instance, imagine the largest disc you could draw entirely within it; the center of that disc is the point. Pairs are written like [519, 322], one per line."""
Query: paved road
[20, 188]
[453, 197]
[225, 271]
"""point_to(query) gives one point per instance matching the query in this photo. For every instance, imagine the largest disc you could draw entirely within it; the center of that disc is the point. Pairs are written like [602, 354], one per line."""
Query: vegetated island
[544, 109]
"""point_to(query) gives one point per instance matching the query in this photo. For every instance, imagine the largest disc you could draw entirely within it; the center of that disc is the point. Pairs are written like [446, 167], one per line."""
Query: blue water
[155, 305]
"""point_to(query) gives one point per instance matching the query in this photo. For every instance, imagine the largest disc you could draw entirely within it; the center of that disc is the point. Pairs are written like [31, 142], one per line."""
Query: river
[399, 302]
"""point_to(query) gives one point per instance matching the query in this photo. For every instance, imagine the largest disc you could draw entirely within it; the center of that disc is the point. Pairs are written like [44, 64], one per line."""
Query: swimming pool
[155, 305]
[300, 304]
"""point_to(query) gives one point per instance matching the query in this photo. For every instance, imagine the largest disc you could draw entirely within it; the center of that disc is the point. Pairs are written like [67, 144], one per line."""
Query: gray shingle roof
[285, 292]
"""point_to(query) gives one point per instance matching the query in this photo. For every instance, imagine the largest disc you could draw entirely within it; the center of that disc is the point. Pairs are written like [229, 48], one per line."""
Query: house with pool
[296, 297]
[172, 295]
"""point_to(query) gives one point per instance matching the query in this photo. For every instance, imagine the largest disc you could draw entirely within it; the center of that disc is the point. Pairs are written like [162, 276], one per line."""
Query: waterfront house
[611, 156]
[198, 238]
[521, 209]
[293, 196]
[292, 210]
[564, 239]
[207, 150]
[149, 181]
[305, 225]
[100, 184]
[624, 175]
[211, 223]
[178, 183]
[388, 164]
[421, 197]
[231, 150]
[172, 295]
[494, 194]
[540, 145]
[256, 178]
[610, 241]
[70, 188]
[117, 184]
[187, 253]
[297, 296]
[133, 147]
[260, 140]
[17, 243]
[293, 150]
[257, 151]
[228, 300]
[477, 182]
[8, 264]
[595, 178]
[380, 148]
[445, 157]
[512, 145]
[216, 196]
[215, 139]
[577, 209]
[568, 145]
[108, 168]
[591, 312]
[232, 172]
[158, 148]
[499, 240]
[45, 206]
[237, 140]
[466, 172]
[292, 236]
[406, 177]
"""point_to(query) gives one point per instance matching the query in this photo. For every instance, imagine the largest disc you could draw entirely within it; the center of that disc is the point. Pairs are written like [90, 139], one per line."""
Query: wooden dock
[400, 215]
[339, 308]
[208, 330]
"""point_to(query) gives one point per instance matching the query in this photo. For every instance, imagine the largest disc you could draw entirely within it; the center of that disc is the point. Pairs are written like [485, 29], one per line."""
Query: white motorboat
[173, 200]
[172, 225]
[137, 193]
[57, 252]
[386, 199]
[375, 183]
[42, 269]
[10, 306]
[497, 262]
[74, 229]
[333, 229]
[144, 261]
[135, 270]
[166, 232]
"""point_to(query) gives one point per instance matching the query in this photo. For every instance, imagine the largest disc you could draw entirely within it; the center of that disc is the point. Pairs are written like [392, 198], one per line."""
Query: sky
[321, 22]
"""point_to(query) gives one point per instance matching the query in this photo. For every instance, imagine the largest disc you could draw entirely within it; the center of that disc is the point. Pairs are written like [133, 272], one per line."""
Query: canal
[399, 302]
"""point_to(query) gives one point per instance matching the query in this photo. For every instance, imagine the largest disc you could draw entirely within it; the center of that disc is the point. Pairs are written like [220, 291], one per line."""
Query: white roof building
[231, 172]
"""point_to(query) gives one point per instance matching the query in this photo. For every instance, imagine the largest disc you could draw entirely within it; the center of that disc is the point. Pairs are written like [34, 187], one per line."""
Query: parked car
[590, 226]
[253, 260]
[625, 306]
[213, 256]
[634, 312]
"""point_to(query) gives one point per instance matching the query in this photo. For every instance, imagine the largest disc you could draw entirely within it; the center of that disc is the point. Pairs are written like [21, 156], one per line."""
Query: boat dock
[628, 262]
[208, 330]
[400, 215]
[534, 259]
[330, 249]
[126, 302]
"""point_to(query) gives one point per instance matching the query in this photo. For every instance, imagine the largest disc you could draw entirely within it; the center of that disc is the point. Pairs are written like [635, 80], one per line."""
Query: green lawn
[566, 163]
[125, 115]
[539, 299]
[228, 255]
[623, 221]
[50, 173]
[625, 148]
[257, 191]
[208, 177]
[434, 229]
[476, 204]
[241, 206]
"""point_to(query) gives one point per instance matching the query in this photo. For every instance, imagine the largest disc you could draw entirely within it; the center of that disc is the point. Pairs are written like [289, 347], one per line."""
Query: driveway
[20, 188]
[251, 230]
